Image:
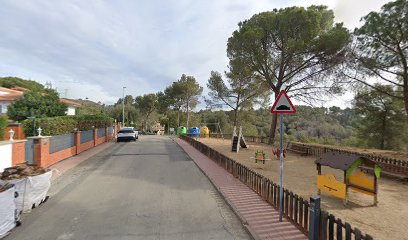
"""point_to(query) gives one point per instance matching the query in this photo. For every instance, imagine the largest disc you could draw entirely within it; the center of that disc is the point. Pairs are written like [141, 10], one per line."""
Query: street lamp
[123, 107]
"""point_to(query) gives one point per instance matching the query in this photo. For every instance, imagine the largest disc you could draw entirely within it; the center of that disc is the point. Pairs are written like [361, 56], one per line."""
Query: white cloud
[93, 48]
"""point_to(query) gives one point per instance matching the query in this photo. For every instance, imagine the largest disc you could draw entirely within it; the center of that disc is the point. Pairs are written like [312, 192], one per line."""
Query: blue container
[194, 132]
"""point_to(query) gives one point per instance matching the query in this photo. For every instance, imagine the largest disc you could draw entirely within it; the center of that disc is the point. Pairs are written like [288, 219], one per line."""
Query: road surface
[147, 189]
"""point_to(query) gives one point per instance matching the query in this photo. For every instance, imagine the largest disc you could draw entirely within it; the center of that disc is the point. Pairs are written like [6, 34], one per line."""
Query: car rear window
[126, 131]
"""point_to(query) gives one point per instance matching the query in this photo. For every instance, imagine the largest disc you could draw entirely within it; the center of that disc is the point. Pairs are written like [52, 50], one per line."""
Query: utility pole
[123, 107]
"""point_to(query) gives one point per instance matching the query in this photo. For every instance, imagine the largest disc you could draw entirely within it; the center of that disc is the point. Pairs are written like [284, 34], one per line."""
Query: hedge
[3, 126]
[65, 124]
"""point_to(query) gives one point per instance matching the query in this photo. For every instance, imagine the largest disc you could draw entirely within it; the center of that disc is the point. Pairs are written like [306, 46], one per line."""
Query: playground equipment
[260, 156]
[276, 152]
[194, 132]
[204, 132]
[181, 130]
[354, 178]
[238, 140]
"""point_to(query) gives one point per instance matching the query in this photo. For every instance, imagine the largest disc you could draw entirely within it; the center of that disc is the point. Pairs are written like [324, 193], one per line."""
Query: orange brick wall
[60, 155]
[18, 133]
[100, 140]
[42, 156]
[42, 152]
[85, 146]
[18, 153]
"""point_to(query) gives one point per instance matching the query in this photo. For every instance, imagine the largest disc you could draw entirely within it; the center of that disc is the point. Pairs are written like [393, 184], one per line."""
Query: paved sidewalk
[71, 162]
[261, 219]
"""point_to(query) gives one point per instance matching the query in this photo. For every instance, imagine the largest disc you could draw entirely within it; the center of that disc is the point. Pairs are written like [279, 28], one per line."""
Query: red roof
[7, 94]
[70, 102]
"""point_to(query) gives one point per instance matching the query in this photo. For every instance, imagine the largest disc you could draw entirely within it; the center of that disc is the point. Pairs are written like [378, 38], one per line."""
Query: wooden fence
[390, 167]
[295, 208]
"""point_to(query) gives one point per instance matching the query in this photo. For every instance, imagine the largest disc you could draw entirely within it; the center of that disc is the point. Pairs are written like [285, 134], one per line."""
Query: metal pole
[281, 170]
[123, 108]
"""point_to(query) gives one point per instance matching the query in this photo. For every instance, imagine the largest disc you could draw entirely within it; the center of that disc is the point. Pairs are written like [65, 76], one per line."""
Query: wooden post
[319, 172]
[347, 186]
[376, 189]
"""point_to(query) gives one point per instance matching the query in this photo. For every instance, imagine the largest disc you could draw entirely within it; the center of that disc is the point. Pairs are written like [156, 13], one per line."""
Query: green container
[181, 130]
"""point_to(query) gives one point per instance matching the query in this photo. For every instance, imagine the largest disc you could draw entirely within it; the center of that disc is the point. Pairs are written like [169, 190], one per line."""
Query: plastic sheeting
[31, 191]
[7, 212]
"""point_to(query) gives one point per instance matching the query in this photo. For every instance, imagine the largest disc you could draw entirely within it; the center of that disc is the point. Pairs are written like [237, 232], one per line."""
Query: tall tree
[293, 49]
[382, 123]
[146, 104]
[173, 98]
[381, 50]
[37, 104]
[241, 92]
[191, 90]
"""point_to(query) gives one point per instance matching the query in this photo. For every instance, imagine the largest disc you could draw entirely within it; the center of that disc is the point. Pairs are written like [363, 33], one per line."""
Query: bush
[3, 126]
[65, 124]
[50, 126]
[86, 122]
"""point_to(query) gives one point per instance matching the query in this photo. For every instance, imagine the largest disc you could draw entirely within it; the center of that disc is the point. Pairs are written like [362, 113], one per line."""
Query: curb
[244, 222]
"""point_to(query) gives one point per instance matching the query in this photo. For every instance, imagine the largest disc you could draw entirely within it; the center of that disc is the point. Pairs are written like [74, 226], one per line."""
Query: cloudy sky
[92, 48]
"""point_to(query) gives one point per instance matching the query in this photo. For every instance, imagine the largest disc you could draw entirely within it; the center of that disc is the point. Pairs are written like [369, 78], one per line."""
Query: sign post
[282, 105]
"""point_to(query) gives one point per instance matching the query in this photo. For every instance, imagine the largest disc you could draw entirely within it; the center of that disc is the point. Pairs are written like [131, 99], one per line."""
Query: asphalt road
[147, 189]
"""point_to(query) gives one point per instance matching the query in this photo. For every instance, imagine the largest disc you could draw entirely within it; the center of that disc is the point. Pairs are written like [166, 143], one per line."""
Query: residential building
[7, 96]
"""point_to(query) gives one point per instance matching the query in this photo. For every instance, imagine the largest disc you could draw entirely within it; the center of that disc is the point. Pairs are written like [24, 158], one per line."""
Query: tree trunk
[272, 131]
[235, 116]
[178, 117]
[188, 116]
[405, 89]
[384, 123]
[274, 123]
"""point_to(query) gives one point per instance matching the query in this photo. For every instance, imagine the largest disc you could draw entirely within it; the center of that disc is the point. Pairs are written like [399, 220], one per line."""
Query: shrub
[50, 126]
[65, 124]
[3, 126]
[86, 122]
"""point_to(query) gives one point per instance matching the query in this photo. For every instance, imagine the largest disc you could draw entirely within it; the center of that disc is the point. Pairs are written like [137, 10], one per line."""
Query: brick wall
[60, 155]
[18, 132]
[100, 140]
[85, 146]
[42, 154]
[18, 152]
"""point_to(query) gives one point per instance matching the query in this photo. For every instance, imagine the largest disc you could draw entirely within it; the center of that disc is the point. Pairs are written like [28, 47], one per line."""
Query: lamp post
[123, 107]
[33, 118]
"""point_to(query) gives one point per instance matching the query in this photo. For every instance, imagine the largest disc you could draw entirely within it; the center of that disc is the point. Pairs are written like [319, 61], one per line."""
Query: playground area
[387, 220]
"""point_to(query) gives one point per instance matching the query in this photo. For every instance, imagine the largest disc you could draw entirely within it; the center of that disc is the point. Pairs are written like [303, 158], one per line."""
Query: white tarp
[7, 212]
[31, 190]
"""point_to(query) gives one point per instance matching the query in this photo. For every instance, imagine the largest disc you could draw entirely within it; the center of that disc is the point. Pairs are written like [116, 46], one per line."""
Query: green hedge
[65, 124]
[86, 122]
[3, 126]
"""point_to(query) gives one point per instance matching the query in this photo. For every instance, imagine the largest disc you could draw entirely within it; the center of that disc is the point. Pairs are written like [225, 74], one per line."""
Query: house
[72, 105]
[7, 96]
[157, 129]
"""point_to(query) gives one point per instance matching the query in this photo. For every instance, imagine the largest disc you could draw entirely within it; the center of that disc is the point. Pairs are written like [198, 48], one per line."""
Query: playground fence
[295, 208]
[391, 167]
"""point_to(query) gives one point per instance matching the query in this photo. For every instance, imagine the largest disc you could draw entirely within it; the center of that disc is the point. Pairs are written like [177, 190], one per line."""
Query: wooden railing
[295, 208]
[390, 166]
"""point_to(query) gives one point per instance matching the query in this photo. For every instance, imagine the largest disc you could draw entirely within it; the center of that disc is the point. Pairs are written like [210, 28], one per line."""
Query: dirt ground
[387, 220]
[383, 153]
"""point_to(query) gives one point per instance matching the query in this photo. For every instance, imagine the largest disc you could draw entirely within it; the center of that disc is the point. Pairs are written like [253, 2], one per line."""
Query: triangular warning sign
[283, 104]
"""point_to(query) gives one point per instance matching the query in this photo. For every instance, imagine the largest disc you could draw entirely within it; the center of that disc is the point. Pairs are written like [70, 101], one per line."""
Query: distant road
[148, 189]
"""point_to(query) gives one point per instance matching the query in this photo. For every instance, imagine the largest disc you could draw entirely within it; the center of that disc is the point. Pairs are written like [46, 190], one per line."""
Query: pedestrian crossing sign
[283, 104]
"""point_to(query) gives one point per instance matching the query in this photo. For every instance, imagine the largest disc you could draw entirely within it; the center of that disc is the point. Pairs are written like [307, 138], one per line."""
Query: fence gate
[29, 151]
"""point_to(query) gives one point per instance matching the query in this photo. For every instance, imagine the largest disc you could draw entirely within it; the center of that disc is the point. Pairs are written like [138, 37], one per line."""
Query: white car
[127, 134]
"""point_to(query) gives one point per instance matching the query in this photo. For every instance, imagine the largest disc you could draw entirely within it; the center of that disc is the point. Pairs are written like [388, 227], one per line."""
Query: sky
[92, 49]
